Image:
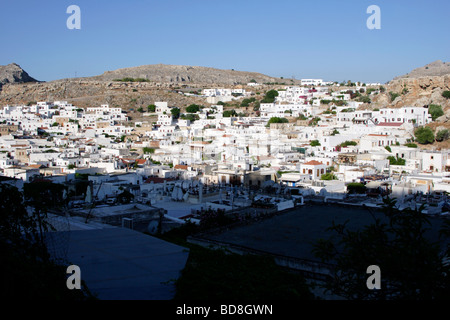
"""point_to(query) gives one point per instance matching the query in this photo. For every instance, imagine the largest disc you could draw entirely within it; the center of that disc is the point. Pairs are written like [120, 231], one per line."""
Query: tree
[125, 197]
[424, 135]
[276, 120]
[175, 112]
[412, 266]
[151, 108]
[328, 176]
[141, 110]
[229, 113]
[193, 108]
[270, 96]
[147, 150]
[388, 148]
[393, 161]
[442, 135]
[356, 187]
[435, 111]
[315, 143]
[27, 271]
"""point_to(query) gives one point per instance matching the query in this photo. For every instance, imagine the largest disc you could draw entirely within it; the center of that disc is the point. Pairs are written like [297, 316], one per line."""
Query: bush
[229, 113]
[442, 135]
[315, 143]
[151, 108]
[356, 187]
[424, 135]
[396, 161]
[270, 96]
[435, 111]
[446, 94]
[393, 95]
[277, 120]
[411, 145]
[328, 176]
[388, 148]
[348, 143]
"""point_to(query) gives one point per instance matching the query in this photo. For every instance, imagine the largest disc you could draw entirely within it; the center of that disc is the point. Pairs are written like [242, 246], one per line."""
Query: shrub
[396, 161]
[411, 145]
[388, 148]
[315, 143]
[356, 187]
[328, 176]
[442, 135]
[393, 95]
[276, 120]
[446, 94]
[424, 135]
[435, 111]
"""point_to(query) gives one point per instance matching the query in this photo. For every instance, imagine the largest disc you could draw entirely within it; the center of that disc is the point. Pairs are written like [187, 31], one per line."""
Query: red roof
[313, 163]
[390, 124]
[181, 166]
[158, 180]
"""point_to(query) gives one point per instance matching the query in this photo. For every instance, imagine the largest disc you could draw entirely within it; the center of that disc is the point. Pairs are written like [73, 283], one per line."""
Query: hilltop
[434, 69]
[13, 73]
[162, 73]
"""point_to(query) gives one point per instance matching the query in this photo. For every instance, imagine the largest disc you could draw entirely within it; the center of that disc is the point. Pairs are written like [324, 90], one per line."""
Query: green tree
[314, 143]
[424, 135]
[276, 120]
[193, 108]
[147, 150]
[328, 176]
[435, 111]
[141, 110]
[151, 108]
[175, 112]
[412, 266]
[356, 187]
[270, 96]
[388, 148]
[229, 113]
[396, 161]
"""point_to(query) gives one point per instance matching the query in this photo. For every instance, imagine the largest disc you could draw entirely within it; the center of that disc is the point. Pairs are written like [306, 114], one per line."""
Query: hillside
[13, 73]
[161, 73]
[434, 69]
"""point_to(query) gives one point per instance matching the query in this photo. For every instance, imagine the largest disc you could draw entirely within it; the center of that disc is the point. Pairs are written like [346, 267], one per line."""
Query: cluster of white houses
[58, 140]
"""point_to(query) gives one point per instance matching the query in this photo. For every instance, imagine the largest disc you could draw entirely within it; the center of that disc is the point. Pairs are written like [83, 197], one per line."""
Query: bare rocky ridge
[13, 73]
[185, 75]
[434, 69]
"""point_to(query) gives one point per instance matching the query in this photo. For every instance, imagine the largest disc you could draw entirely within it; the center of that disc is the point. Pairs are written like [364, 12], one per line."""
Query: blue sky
[306, 39]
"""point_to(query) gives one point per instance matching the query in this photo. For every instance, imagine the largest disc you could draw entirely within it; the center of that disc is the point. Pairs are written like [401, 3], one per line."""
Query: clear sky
[325, 39]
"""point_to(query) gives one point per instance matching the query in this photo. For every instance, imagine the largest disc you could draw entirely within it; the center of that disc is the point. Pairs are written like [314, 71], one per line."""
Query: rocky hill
[13, 73]
[185, 75]
[434, 69]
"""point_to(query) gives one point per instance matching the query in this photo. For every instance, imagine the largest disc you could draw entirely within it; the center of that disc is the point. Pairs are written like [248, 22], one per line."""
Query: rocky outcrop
[13, 73]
